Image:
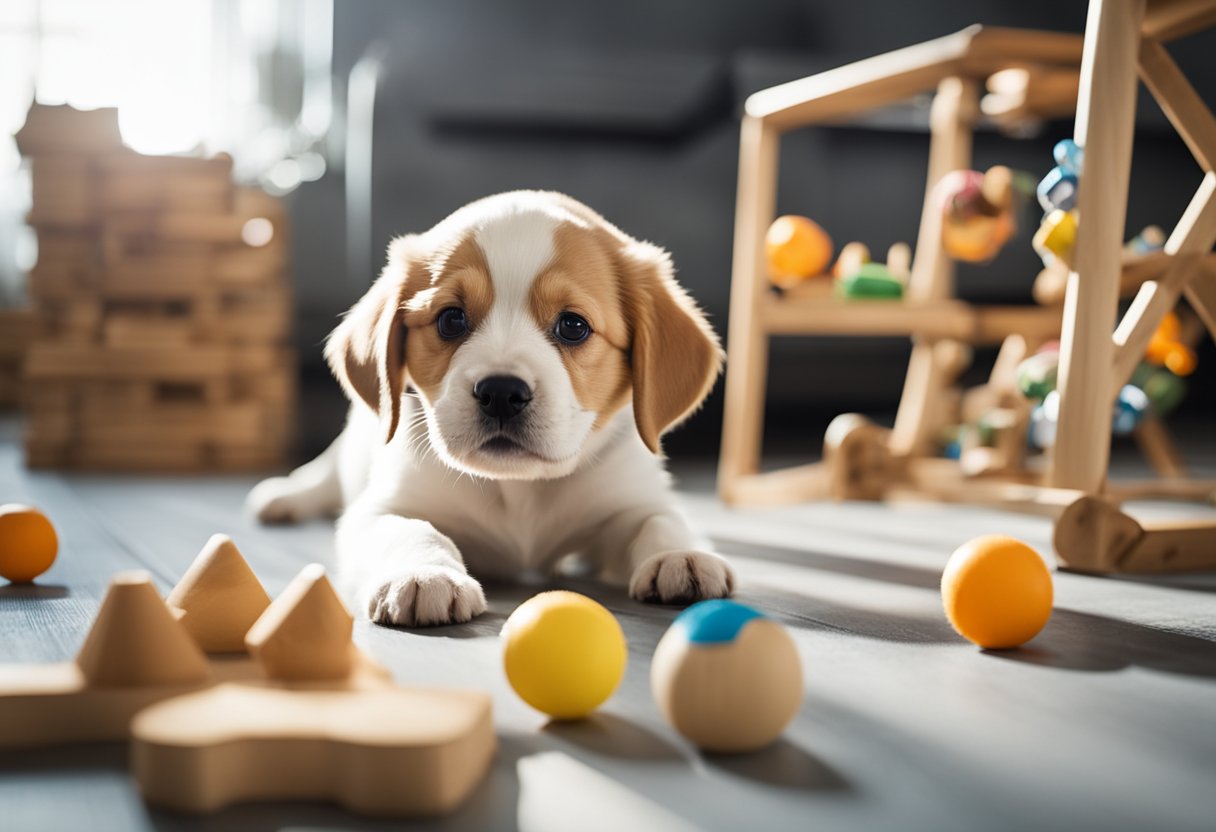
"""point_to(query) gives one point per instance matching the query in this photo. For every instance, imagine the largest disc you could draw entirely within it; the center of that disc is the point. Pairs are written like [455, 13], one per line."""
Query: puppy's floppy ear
[366, 352]
[675, 355]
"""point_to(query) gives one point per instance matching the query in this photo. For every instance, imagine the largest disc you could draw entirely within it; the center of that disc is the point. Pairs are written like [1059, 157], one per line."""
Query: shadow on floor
[783, 765]
[32, 592]
[1072, 640]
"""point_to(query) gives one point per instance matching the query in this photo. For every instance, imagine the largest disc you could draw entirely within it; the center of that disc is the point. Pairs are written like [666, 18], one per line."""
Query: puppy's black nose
[502, 397]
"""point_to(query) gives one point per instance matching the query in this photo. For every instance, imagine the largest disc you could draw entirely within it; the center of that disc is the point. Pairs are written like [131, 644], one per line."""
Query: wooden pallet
[161, 330]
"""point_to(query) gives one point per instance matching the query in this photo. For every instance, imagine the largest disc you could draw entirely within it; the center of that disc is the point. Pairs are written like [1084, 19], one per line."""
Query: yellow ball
[28, 543]
[564, 654]
[797, 248]
[997, 592]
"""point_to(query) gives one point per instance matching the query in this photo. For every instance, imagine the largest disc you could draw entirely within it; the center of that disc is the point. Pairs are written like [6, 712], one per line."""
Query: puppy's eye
[571, 328]
[452, 323]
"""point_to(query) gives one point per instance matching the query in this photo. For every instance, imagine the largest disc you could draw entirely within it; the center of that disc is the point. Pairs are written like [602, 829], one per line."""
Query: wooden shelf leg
[951, 120]
[747, 341]
[1104, 127]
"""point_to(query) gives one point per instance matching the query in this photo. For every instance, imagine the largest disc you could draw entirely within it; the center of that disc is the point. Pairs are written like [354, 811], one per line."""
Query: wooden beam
[951, 123]
[1201, 293]
[747, 342]
[860, 86]
[1158, 448]
[1172, 19]
[1188, 113]
[798, 484]
[1106, 110]
[1188, 246]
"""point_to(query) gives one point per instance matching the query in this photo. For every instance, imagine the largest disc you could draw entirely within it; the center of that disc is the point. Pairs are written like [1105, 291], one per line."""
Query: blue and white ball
[727, 677]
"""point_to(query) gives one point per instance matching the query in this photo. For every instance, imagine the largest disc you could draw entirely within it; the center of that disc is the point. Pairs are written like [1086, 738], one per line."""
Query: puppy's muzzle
[502, 398]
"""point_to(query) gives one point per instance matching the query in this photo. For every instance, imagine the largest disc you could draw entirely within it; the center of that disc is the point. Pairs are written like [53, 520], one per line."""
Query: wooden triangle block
[136, 641]
[305, 634]
[219, 597]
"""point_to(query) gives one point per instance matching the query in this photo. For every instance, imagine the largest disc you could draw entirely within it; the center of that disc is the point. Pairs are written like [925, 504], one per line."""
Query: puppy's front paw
[273, 501]
[427, 596]
[682, 578]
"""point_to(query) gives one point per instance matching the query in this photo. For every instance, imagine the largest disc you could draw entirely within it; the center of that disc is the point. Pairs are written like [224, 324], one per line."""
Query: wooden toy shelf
[1029, 75]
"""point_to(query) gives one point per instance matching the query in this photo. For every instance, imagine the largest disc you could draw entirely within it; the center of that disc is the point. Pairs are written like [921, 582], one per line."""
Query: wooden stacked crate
[162, 306]
[16, 332]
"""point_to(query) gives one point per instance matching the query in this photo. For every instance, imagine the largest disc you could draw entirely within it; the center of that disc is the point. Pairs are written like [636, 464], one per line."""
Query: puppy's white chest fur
[505, 527]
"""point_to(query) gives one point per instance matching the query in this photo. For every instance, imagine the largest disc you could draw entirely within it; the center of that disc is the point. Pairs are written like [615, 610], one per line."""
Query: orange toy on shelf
[797, 248]
[1166, 348]
[977, 212]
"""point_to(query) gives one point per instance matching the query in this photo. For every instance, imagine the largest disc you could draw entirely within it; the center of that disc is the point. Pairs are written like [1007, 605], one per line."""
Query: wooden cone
[219, 597]
[305, 634]
[136, 641]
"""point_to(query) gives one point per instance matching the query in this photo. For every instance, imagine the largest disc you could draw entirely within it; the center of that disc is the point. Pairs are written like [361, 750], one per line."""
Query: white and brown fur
[425, 501]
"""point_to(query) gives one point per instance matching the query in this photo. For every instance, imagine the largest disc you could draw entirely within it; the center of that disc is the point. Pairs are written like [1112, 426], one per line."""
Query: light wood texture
[1105, 120]
[1171, 19]
[747, 343]
[1201, 294]
[954, 67]
[219, 598]
[135, 640]
[857, 455]
[975, 52]
[388, 752]
[1024, 96]
[1094, 535]
[135, 653]
[144, 278]
[1180, 102]
[304, 635]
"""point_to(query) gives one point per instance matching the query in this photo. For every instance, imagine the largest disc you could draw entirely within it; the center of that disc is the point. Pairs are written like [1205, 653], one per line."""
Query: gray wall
[632, 106]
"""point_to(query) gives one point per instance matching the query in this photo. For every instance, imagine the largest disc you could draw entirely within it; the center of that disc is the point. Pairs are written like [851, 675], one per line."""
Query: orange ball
[797, 248]
[28, 543]
[997, 592]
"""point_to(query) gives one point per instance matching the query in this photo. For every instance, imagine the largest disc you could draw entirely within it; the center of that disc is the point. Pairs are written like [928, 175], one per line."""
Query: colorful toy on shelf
[797, 248]
[997, 592]
[1166, 348]
[28, 543]
[857, 277]
[1128, 411]
[1037, 374]
[727, 677]
[564, 654]
[1056, 237]
[1131, 406]
[852, 257]
[1165, 390]
[1151, 238]
[977, 212]
[1057, 193]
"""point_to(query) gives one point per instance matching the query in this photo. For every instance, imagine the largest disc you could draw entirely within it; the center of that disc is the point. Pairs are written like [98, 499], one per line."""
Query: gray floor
[1106, 721]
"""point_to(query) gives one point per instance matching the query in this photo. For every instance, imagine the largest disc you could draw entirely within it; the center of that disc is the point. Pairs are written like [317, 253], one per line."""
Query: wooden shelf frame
[1123, 43]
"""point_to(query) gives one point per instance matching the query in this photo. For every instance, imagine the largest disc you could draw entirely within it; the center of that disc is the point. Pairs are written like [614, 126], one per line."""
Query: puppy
[511, 373]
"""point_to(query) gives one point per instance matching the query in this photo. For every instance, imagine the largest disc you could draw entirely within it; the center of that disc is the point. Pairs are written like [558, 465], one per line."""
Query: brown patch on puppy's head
[650, 338]
[583, 278]
[459, 279]
[675, 355]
